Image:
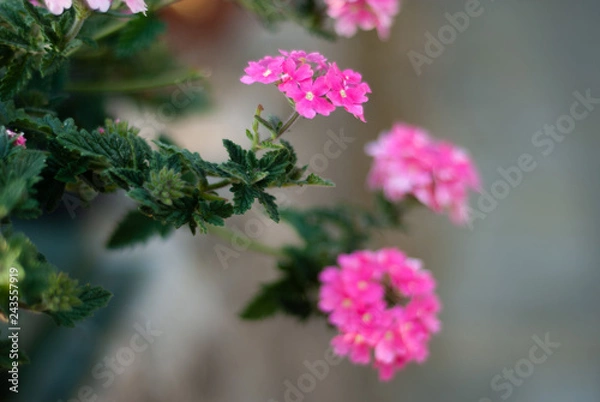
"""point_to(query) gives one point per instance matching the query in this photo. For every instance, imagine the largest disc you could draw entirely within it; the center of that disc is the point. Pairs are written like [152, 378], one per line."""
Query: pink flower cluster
[407, 162]
[57, 7]
[20, 141]
[364, 297]
[349, 15]
[314, 85]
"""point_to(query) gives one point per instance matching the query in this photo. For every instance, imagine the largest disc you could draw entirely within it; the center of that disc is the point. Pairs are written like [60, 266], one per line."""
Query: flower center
[347, 303]
[362, 285]
[389, 335]
[343, 93]
[392, 295]
[367, 317]
[310, 96]
[267, 73]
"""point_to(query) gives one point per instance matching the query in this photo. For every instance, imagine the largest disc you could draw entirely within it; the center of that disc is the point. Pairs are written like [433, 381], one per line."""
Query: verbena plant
[61, 61]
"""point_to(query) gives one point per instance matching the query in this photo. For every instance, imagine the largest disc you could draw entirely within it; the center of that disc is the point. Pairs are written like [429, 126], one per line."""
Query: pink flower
[383, 305]
[57, 7]
[347, 90]
[310, 98]
[313, 85]
[136, 6]
[349, 15]
[294, 75]
[99, 5]
[20, 140]
[407, 162]
[265, 71]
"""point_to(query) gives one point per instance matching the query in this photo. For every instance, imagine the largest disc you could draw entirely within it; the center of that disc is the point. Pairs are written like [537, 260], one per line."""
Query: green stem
[287, 125]
[118, 25]
[219, 184]
[133, 85]
[253, 245]
[74, 29]
[81, 14]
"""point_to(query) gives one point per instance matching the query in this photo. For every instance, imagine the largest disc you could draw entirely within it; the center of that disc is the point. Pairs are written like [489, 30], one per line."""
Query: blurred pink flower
[20, 141]
[57, 7]
[310, 82]
[349, 15]
[384, 307]
[407, 162]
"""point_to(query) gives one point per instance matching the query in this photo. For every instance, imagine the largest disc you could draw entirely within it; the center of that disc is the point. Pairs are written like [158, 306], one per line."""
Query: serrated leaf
[315, 180]
[111, 149]
[216, 212]
[136, 228]
[236, 153]
[16, 77]
[92, 299]
[243, 197]
[19, 172]
[268, 201]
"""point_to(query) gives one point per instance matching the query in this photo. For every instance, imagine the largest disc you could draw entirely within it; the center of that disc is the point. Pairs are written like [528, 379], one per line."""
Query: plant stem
[134, 85]
[81, 14]
[110, 29]
[253, 245]
[219, 184]
[287, 125]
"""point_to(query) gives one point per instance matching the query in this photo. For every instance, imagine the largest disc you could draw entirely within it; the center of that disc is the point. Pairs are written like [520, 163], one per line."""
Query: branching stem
[252, 245]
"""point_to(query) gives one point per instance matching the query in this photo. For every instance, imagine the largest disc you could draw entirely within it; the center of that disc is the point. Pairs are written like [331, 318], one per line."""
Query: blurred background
[527, 270]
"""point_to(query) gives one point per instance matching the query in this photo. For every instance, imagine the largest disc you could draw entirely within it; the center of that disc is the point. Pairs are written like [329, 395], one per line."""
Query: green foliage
[139, 34]
[166, 185]
[307, 13]
[56, 75]
[136, 228]
[325, 234]
[33, 43]
[91, 299]
[41, 287]
[19, 172]
[61, 294]
[6, 361]
[265, 304]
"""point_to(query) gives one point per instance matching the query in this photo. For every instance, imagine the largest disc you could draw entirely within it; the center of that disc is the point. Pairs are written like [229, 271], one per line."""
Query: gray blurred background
[528, 269]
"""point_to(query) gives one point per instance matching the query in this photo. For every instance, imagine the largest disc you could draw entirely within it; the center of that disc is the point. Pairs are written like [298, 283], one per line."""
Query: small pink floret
[20, 140]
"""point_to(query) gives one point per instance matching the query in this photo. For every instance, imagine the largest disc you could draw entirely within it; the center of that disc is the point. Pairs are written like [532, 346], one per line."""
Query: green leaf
[17, 76]
[268, 201]
[139, 34]
[19, 172]
[215, 212]
[136, 228]
[112, 149]
[315, 180]
[6, 355]
[92, 299]
[243, 197]
[236, 153]
[264, 305]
